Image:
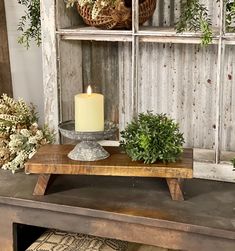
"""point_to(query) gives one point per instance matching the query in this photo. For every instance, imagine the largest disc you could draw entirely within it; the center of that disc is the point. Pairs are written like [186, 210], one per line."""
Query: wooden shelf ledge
[145, 34]
[92, 33]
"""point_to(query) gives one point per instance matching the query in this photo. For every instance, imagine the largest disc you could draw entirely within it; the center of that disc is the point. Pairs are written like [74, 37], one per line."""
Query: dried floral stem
[20, 136]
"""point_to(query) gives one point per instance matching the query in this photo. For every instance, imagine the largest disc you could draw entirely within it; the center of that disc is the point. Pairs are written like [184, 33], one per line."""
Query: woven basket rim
[146, 10]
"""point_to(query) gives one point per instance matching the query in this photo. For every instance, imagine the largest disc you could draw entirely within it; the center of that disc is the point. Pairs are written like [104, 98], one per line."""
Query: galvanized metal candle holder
[88, 149]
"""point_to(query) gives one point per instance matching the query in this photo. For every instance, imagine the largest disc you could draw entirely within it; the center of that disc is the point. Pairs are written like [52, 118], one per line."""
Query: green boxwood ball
[152, 138]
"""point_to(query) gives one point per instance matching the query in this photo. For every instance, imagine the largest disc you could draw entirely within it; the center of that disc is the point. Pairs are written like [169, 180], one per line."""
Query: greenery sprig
[30, 23]
[230, 16]
[194, 17]
[152, 138]
[233, 163]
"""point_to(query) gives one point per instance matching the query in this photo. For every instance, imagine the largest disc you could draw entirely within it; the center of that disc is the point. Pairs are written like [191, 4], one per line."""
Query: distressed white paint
[221, 172]
[126, 102]
[219, 85]
[26, 65]
[116, 38]
[84, 30]
[49, 61]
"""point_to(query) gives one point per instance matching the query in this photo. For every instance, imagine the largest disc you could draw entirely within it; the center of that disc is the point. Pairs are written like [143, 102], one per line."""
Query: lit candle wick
[89, 90]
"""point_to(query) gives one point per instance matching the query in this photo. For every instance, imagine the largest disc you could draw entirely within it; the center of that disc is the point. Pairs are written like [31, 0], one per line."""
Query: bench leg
[175, 188]
[41, 185]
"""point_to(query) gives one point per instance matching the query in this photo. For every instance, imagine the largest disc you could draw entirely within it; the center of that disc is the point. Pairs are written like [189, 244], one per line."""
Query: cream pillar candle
[89, 112]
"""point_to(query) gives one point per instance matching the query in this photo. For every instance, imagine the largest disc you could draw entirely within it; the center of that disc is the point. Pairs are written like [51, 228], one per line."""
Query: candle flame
[89, 90]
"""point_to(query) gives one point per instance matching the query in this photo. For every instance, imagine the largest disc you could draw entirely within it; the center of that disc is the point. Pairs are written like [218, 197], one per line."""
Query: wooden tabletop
[52, 159]
[209, 207]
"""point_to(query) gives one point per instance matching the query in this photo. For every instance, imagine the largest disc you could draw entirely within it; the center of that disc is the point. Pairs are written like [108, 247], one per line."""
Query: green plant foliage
[152, 138]
[30, 23]
[194, 17]
[230, 15]
[233, 162]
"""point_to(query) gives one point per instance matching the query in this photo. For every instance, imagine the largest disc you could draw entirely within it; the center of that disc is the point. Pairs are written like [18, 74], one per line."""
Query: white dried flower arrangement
[20, 135]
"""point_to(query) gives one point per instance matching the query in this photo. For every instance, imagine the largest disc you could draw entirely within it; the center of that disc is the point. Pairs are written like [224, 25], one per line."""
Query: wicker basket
[117, 17]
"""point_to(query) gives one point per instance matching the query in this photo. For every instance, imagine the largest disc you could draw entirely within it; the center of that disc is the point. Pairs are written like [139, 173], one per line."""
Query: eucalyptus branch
[194, 17]
[230, 16]
[30, 23]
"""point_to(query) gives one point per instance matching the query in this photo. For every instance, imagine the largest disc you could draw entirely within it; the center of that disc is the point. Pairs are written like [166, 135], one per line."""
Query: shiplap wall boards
[147, 68]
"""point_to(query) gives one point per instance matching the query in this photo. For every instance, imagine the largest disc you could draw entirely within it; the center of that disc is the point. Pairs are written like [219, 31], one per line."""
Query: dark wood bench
[133, 209]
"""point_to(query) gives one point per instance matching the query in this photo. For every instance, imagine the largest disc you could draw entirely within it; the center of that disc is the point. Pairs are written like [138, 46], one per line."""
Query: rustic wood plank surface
[53, 159]
[5, 69]
[135, 209]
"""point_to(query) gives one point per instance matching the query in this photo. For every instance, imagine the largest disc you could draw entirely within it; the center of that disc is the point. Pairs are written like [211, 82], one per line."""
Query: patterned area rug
[54, 240]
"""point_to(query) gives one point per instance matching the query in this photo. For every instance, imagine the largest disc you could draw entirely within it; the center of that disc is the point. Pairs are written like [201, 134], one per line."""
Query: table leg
[174, 185]
[41, 185]
[6, 229]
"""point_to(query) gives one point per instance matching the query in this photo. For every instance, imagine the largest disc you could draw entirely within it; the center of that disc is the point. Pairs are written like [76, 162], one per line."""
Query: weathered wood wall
[70, 77]
[168, 11]
[168, 83]
[103, 72]
[5, 70]
[228, 100]
[178, 79]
